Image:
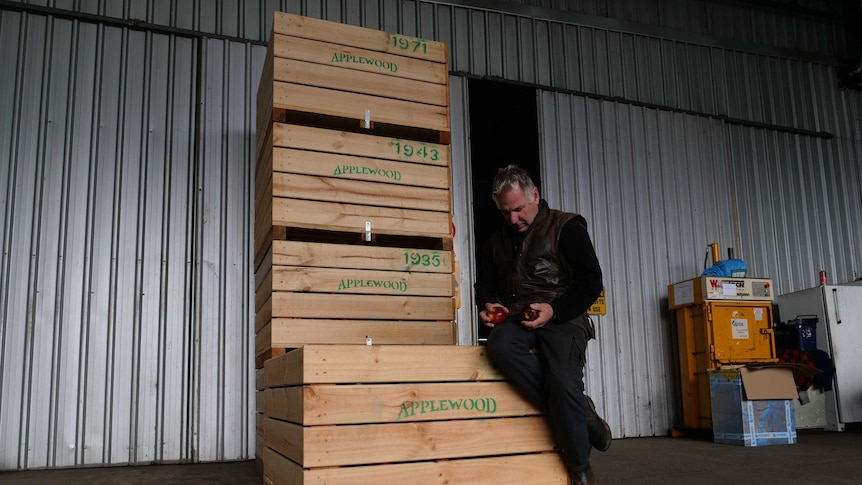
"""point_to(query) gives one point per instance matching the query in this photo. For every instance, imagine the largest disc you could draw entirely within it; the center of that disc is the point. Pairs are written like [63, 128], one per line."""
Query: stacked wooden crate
[430, 414]
[353, 222]
[358, 381]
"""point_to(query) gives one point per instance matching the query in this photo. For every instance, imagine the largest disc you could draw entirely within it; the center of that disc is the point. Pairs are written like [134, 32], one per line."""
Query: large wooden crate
[353, 294]
[331, 69]
[355, 183]
[349, 414]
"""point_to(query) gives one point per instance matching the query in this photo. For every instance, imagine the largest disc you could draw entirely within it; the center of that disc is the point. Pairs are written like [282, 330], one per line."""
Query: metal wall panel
[462, 208]
[813, 26]
[652, 185]
[126, 276]
[791, 28]
[637, 51]
[224, 361]
[799, 206]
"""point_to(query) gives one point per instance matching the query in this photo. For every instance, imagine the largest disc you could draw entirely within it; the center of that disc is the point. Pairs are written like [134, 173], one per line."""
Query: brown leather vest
[535, 272]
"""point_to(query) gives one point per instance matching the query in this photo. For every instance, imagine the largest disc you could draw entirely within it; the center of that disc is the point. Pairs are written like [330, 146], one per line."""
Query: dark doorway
[503, 129]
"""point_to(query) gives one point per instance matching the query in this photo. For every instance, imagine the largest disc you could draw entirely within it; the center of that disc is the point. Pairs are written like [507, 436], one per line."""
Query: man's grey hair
[509, 177]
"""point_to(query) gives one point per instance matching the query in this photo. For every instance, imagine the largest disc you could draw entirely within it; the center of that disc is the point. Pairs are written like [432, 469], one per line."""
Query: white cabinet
[839, 334]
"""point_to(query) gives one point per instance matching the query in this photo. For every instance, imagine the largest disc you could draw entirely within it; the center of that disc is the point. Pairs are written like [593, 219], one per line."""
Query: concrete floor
[818, 457]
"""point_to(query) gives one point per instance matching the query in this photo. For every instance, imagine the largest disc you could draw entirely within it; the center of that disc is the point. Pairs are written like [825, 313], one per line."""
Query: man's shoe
[583, 477]
[600, 432]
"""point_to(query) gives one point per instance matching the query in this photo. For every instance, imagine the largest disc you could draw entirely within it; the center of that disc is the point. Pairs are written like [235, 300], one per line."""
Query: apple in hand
[497, 315]
[529, 314]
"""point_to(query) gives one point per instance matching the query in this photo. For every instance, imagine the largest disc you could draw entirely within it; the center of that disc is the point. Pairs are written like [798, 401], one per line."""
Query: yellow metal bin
[719, 321]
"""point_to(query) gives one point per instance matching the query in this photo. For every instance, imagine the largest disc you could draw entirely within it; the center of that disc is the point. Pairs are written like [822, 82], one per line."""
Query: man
[544, 260]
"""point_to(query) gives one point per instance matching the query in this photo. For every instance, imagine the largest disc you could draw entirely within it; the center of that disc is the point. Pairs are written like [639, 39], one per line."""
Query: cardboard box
[753, 406]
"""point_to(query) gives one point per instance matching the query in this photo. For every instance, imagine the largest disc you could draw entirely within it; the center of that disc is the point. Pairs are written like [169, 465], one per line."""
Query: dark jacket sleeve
[586, 278]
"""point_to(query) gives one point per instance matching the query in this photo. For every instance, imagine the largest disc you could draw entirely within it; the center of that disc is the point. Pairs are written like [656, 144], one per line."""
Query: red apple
[497, 315]
[529, 314]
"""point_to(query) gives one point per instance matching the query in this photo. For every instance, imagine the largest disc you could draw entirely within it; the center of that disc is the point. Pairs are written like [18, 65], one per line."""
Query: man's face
[518, 210]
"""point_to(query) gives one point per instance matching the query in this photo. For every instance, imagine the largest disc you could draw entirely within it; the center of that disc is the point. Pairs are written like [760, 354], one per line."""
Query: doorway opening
[504, 129]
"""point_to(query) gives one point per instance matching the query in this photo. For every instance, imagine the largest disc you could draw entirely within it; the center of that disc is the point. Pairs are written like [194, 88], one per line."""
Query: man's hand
[485, 316]
[546, 313]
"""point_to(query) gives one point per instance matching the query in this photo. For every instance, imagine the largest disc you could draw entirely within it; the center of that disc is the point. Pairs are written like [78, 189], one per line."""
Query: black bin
[799, 333]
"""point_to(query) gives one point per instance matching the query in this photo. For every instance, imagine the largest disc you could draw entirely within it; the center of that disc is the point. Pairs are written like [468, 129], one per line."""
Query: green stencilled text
[409, 409]
[347, 284]
[412, 258]
[351, 58]
[357, 170]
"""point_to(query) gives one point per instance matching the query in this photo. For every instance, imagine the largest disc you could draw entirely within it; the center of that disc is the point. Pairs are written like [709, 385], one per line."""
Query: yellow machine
[720, 320]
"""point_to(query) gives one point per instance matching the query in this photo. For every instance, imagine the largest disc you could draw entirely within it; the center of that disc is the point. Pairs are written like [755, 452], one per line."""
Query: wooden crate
[322, 179]
[327, 293]
[339, 414]
[341, 71]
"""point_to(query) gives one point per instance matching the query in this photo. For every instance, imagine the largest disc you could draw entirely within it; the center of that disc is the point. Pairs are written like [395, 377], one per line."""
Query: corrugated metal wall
[126, 201]
[653, 185]
[126, 233]
[802, 26]
[799, 206]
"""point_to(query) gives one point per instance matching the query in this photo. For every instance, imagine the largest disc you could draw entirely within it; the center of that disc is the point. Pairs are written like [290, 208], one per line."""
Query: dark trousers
[551, 378]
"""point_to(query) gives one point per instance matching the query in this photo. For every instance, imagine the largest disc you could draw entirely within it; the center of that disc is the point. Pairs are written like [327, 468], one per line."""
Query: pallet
[340, 414]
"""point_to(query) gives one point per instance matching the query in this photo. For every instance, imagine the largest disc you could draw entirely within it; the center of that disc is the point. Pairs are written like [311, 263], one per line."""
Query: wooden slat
[318, 446]
[260, 379]
[261, 359]
[325, 255]
[263, 245]
[293, 333]
[262, 228]
[359, 168]
[357, 281]
[263, 316]
[329, 404]
[263, 120]
[260, 401]
[263, 173]
[359, 144]
[311, 99]
[263, 340]
[335, 76]
[263, 211]
[264, 291]
[259, 453]
[375, 40]
[349, 57]
[363, 307]
[528, 469]
[349, 364]
[280, 470]
[263, 270]
[379, 193]
[334, 216]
